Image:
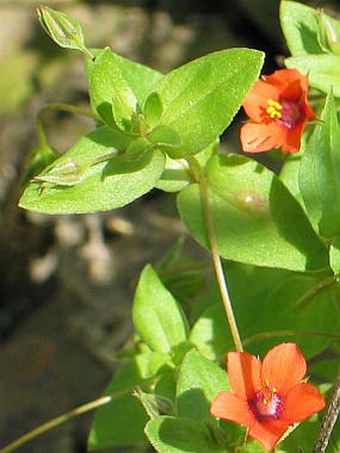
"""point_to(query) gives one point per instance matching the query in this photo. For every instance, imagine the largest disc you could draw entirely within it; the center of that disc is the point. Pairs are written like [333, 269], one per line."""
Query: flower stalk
[55, 422]
[222, 284]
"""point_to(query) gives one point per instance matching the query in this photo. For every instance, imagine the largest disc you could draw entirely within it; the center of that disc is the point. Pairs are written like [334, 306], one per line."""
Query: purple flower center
[291, 113]
[288, 113]
[266, 404]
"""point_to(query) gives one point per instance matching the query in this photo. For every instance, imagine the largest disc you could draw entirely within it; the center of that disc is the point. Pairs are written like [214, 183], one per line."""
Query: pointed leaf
[201, 98]
[156, 315]
[121, 422]
[91, 190]
[112, 75]
[308, 30]
[319, 177]
[152, 109]
[300, 27]
[300, 307]
[211, 333]
[179, 435]
[256, 221]
[199, 381]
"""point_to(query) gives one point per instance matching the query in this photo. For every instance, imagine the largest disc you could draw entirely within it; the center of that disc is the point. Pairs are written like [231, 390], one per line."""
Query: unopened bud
[154, 405]
[63, 29]
[329, 33]
[66, 173]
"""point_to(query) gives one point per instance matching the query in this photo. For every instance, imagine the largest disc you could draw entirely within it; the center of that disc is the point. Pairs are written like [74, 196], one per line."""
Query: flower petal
[228, 406]
[292, 140]
[257, 137]
[301, 402]
[244, 374]
[290, 83]
[283, 367]
[255, 103]
[268, 433]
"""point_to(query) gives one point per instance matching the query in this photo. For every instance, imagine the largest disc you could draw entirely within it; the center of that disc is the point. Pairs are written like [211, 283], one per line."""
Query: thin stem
[69, 415]
[68, 108]
[329, 420]
[310, 294]
[222, 284]
[288, 333]
[64, 108]
[55, 422]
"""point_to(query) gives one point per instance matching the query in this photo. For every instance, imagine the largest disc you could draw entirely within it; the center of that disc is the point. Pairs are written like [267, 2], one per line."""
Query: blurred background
[67, 282]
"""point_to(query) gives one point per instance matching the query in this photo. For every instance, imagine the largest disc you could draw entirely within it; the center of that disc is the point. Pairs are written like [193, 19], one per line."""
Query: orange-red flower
[267, 398]
[278, 109]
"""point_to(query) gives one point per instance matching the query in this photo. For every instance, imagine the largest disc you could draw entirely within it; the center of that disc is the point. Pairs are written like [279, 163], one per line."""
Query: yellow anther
[274, 390]
[273, 109]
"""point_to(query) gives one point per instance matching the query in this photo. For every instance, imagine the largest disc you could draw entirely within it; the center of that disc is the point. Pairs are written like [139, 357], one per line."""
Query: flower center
[267, 404]
[274, 109]
[288, 113]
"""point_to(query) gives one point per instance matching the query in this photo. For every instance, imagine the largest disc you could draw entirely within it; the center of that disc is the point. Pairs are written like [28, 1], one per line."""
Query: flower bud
[65, 173]
[63, 29]
[329, 34]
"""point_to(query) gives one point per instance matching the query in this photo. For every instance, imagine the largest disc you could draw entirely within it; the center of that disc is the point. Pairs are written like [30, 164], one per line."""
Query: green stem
[288, 333]
[64, 108]
[68, 108]
[311, 293]
[69, 415]
[222, 284]
[55, 422]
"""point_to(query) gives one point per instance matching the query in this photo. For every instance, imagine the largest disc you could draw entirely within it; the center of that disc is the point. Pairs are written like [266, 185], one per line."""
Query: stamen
[273, 109]
[266, 404]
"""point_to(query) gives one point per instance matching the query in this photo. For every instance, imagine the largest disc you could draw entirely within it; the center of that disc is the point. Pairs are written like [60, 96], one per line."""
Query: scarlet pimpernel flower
[267, 398]
[278, 109]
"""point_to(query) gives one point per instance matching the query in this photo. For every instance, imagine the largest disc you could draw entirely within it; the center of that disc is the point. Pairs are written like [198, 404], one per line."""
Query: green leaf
[334, 255]
[302, 439]
[179, 435]
[309, 42]
[211, 333]
[113, 77]
[308, 30]
[319, 177]
[256, 222]
[91, 190]
[108, 86]
[138, 155]
[300, 27]
[300, 309]
[153, 109]
[199, 381]
[176, 175]
[289, 176]
[121, 422]
[201, 98]
[164, 136]
[323, 70]
[271, 306]
[157, 316]
[329, 33]
[327, 370]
